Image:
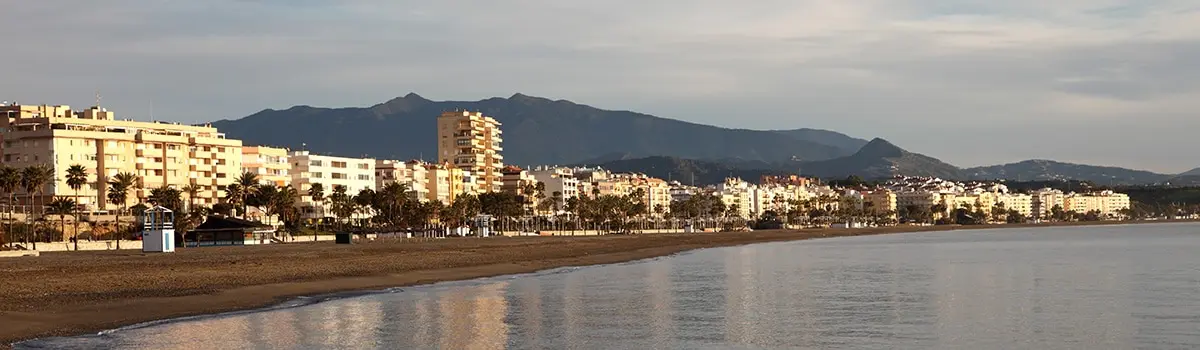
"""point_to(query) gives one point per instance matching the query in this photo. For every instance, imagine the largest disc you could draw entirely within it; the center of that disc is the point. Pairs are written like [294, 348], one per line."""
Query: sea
[1089, 287]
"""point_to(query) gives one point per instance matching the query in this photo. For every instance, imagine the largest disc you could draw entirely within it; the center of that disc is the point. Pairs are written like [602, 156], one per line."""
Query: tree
[191, 190]
[167, 197]
[317, 192]
[343, 205]
[234, 195]
[999, 213]
[34, 180]
[62, 207]
[10, 181]
[118, 193]
[363, 200]
[1057, 213]
[248, 181]
[76, 178]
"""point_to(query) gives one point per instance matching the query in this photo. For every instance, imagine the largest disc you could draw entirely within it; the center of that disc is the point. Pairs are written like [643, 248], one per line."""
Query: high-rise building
[269, 163]
[471, 141]
[160, 154]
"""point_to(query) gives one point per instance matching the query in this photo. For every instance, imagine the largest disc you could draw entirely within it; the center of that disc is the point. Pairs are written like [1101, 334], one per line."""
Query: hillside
[1045, 170]
[687, 171]
[536, 131]
[826, 137]
[880, 159]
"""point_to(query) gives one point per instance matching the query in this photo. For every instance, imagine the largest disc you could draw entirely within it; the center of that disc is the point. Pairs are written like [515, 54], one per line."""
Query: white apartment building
[1045, 199]
[1108, 203]
[558, 180]
[356, 174]
[1022, 203]
[411, 174]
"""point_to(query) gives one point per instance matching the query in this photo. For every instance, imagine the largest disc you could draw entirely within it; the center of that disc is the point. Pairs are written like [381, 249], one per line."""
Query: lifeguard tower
[158, 230]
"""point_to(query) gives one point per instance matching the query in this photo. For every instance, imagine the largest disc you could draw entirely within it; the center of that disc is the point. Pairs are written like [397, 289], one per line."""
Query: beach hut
[220, 230]
[158, 230]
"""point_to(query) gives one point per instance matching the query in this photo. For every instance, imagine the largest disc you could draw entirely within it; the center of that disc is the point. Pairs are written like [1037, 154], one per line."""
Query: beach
[70, 293]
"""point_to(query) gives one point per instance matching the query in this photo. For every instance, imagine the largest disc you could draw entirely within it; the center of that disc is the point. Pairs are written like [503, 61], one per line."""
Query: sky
[972, 82]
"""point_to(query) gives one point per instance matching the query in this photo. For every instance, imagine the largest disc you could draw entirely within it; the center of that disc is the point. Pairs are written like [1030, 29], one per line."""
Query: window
[315, 175]
[364, 166]
[220, 175]
[338, 176]
[158, 146]
[207, 149]
[172, 147]
[173, 159]
[339, 165]
[158, 172]
[364, 177]
[220, 162]
[314, 162]
[220, 149]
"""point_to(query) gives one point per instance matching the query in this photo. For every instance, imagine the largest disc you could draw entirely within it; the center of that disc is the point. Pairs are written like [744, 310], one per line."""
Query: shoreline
[74, 293]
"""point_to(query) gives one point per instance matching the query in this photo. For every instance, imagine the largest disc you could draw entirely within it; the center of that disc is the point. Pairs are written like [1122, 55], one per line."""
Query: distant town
[81, 175]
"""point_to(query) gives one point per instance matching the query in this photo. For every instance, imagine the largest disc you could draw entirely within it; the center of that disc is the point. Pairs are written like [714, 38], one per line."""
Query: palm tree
[166, 197]
[62, 207]
[34, 180]
[191, 190]
[76, 178]
[118, 193]
[341, 203]
[317, 192]
[249, 183]
[10, 181]
[233, 195]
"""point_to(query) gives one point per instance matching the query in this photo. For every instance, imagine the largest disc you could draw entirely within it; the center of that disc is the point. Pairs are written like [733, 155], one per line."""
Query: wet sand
[69, 293]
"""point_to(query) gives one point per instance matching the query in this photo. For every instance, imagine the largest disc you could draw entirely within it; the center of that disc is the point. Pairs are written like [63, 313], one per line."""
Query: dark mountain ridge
[536, 131]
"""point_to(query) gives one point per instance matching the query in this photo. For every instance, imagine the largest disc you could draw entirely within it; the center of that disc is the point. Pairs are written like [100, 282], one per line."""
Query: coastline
[71, 293]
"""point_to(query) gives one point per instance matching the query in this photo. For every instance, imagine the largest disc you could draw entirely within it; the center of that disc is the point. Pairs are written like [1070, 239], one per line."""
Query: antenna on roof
[97, 98]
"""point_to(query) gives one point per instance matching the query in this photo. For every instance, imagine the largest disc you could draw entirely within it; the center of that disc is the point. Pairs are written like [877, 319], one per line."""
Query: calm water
[1116, 287]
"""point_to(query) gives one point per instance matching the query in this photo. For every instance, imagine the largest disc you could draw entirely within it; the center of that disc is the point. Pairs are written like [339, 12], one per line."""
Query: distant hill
[686, 171]
[827, 137]
[537, 131]
[881, 159]
[1193, 172]
[1047, 170]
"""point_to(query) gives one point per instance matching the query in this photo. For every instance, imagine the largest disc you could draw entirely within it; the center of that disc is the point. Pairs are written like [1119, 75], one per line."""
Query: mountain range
[540, 131]
[536, 131]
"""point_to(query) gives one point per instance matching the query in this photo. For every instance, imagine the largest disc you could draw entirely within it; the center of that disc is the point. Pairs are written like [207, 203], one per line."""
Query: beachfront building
[1021, 203]
[160, 154]
[1107, 203]
[269, 163]
[1044, 200]
[411, 174]
[561, 185]
[471, 141]
[516, 180]
[445, 183]
[356, 174]
[880, 202]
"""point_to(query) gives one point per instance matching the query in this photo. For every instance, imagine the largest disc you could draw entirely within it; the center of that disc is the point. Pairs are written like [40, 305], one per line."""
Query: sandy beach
[84, 292]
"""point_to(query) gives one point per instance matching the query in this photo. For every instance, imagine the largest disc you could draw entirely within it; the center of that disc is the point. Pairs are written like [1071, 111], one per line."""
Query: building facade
[160, 154]
[269, 163]
[471, 141]
[411, 174]
[356, 174]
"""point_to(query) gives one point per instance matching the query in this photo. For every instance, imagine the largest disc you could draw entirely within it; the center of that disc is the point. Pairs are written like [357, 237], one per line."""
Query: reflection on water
[1062, 288]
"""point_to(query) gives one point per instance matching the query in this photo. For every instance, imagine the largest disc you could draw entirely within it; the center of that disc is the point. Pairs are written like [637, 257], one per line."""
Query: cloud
[930, 75]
